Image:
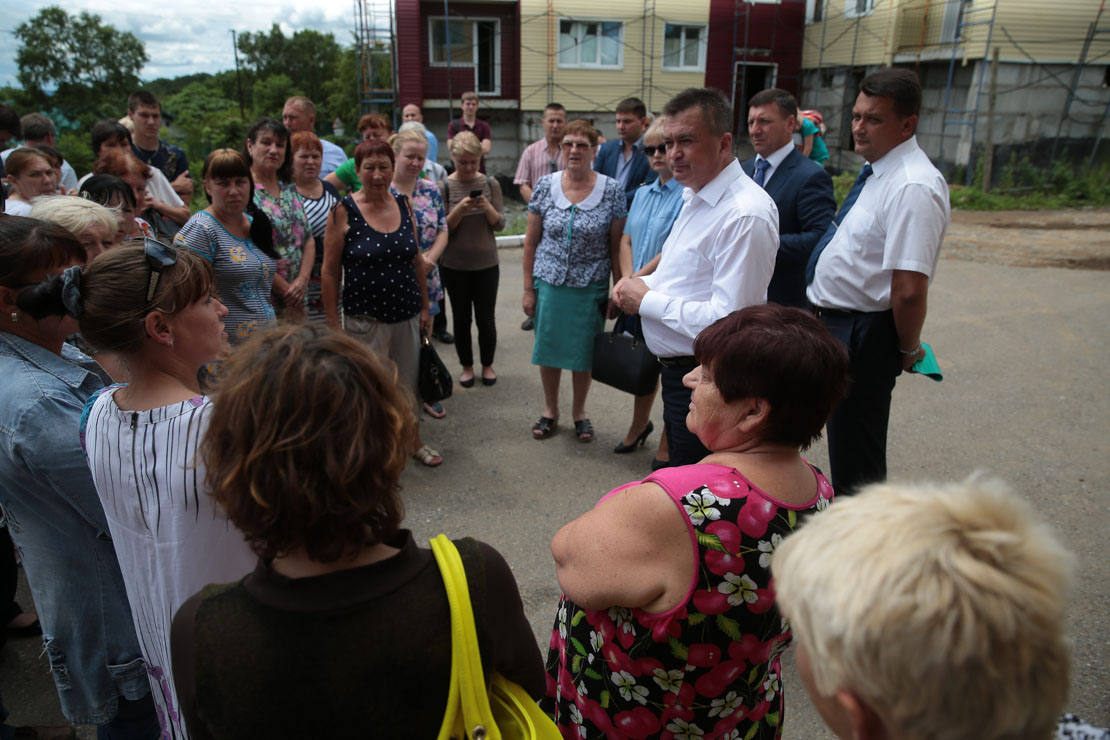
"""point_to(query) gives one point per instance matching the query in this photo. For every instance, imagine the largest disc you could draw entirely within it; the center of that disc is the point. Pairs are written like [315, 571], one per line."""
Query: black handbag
[435, 381]
[624, 362]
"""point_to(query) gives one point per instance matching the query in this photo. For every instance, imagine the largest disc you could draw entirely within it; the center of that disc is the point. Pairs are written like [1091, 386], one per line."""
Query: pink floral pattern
[290, 226]
[431, 219]
[709, 668]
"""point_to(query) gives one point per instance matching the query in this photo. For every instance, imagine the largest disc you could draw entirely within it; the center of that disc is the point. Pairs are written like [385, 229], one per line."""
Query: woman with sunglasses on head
[48, 495]
[151, 306]
[30, 175]
[571, 247]
[236, 238]
[654, 210]
[271, 161]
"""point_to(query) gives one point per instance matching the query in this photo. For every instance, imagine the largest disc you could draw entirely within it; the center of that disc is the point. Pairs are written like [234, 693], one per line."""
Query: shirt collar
[778, 155]
[716, 187]
[63, 368]
[671, 186]
[894, 157]
[590, 201]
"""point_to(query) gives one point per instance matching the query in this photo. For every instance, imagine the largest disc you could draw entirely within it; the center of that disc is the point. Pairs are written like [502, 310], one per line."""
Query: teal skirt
[567, 319]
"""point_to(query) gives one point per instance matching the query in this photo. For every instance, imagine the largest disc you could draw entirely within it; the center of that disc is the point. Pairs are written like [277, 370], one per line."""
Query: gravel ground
[1023, 347]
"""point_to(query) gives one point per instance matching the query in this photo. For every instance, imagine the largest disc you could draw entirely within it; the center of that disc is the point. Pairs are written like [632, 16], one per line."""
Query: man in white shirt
[869, 274]
[718, 258]
[299, 114]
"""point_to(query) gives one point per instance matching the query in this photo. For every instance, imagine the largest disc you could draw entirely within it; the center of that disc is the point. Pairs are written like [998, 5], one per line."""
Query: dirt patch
[1077, 239]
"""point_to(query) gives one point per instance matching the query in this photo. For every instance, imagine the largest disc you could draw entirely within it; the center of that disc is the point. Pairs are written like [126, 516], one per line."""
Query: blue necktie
[761, 168]
[853, 194]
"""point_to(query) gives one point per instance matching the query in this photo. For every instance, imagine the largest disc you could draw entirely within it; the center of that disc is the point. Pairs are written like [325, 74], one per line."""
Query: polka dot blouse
[378, 271]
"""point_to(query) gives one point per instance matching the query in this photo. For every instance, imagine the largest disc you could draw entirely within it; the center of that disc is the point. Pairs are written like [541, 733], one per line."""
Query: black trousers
[473, 291]
[858, 426]
[685, 447]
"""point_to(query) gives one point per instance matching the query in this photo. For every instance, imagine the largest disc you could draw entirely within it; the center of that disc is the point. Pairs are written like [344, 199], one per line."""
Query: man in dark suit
[802, 190]
[624, 159]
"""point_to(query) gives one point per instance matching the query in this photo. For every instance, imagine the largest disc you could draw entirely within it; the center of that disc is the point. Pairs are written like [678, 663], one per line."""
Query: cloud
[185, 38]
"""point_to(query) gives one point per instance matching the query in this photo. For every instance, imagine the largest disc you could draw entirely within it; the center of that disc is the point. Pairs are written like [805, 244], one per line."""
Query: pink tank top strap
[678, 482]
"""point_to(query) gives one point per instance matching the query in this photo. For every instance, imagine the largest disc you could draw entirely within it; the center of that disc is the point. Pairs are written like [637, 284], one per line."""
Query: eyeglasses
[576, 145]
[650, 150]
[159, 256]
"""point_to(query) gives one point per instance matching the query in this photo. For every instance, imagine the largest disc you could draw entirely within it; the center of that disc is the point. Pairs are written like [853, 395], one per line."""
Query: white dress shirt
[898, 223]
[774, 160]
[719, 257]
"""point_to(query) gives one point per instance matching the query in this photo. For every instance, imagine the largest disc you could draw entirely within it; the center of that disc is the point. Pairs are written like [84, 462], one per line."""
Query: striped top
[170, 538]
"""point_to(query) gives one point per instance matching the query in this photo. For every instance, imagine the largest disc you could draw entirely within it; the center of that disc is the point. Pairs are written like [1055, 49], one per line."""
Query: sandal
[584, 430]
[435, 410]
[543, 428]
[427, 456]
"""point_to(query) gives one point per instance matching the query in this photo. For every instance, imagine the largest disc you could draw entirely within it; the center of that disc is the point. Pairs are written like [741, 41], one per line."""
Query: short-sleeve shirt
[427, 204]
[535, 162]
[654, 209]
[819, 153]
[379, 278]
[167, 157]
[290, 225]
[317, 210]
[480, 129]
[897, 223]
[574, 247]
[244, 274]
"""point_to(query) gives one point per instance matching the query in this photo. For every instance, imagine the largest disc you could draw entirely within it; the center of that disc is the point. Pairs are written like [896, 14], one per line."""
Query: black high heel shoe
[622, 448]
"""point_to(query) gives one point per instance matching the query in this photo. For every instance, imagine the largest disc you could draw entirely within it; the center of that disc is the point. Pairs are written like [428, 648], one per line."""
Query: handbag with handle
[624, 362]
[433, 379]
[504, 709]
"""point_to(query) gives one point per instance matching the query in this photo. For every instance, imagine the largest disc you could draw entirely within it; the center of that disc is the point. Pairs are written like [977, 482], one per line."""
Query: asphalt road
[1024, 352]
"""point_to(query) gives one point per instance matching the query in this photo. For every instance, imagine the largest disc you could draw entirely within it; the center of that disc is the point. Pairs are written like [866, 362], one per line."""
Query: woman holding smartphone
[469, 264]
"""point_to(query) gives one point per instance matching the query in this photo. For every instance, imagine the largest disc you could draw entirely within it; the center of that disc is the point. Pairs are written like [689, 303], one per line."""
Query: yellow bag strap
[468, 684]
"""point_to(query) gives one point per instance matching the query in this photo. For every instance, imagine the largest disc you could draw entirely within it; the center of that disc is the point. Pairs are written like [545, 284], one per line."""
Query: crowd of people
[207, 417]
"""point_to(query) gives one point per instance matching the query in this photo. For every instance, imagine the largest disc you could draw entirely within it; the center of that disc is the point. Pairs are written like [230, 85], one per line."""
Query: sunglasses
[650, 150]
[159, 256]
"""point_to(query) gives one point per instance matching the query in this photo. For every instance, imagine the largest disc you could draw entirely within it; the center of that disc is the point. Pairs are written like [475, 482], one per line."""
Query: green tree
[92, 65]
[270, 93]
[206, 119]
[309, 60]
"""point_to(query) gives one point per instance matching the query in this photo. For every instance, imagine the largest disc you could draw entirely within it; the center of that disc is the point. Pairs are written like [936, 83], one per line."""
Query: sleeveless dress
[170, 537]
[710, 667]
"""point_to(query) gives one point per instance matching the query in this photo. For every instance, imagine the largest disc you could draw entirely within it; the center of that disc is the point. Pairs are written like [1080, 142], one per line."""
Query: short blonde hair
[74, 214]
[655, 130]
[941, 606]
[399, 139]
[465, 142]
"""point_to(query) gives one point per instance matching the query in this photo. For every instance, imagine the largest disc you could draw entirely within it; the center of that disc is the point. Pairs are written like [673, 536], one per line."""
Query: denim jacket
[59, 529]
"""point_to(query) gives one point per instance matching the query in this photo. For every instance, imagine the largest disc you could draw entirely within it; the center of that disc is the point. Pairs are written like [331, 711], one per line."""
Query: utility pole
[988, 146]
[238, 77]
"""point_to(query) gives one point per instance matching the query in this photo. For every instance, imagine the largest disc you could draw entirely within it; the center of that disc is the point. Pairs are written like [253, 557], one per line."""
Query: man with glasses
[718, 257]
[541, 158]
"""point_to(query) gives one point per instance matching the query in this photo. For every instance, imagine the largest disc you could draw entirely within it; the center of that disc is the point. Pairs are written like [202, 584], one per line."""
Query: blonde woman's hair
[940, 606]
[398, 140]
[655, 130]
[465, 142]
[74, 214]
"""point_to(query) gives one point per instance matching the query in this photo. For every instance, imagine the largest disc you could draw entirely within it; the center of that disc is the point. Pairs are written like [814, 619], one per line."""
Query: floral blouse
[707, 668]
[427, 204]
[291, 229]
[574, 246]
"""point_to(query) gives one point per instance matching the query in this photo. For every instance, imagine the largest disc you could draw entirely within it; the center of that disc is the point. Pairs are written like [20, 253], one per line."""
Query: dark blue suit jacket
[803, 192]
[640, 173]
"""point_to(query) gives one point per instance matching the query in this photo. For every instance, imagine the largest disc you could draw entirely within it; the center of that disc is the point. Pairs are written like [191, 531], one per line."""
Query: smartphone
[475, 193]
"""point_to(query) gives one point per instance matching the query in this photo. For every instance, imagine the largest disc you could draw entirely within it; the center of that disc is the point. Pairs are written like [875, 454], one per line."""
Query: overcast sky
[184, 37]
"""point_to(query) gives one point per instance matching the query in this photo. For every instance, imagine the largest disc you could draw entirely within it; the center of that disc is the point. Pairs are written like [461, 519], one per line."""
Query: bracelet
[911, 352]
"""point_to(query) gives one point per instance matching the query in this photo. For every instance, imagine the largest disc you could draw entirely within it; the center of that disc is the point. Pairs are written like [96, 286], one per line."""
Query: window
[856, 8]
[815, 11]
[591, 44]
[461, 42]
[684, 47]
[473, 42]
